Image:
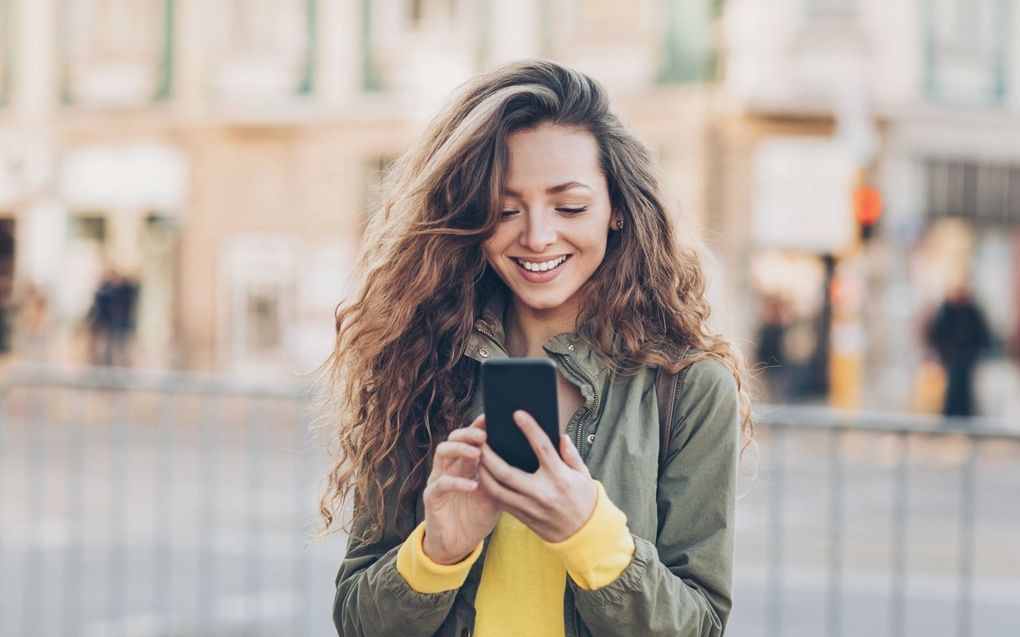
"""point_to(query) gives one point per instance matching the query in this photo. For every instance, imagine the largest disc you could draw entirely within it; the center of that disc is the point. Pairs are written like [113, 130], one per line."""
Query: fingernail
[518, 415]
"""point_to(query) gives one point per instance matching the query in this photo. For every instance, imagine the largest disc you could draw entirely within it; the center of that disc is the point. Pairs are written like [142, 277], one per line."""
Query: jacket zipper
[492, 338]
[574, 367]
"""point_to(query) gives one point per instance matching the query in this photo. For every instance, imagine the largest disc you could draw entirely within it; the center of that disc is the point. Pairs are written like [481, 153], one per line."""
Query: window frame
[936, 57]
[164, 63]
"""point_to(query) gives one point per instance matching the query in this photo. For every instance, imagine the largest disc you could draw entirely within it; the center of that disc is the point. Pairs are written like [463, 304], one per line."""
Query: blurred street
[145, 530]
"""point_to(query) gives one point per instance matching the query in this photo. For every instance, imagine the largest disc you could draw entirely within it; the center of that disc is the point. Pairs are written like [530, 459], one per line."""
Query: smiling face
[555, 217]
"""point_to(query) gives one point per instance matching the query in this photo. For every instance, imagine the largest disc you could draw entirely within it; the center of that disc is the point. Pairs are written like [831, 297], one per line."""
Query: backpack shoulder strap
[665, 395]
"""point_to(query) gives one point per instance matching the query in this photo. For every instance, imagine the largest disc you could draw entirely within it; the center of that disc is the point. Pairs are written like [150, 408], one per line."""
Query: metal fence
[879, 524]
[171, 505]
[158, 504]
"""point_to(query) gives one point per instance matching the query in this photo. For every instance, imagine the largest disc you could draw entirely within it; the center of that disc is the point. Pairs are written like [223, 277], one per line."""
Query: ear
[614, 221]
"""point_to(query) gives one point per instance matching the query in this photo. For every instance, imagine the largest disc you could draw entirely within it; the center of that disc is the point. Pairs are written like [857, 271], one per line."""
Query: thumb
[570, 455]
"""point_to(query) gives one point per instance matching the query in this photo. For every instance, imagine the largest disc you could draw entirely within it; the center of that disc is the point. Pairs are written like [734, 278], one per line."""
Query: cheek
[491, 251]
[495, 245]
[595, 242]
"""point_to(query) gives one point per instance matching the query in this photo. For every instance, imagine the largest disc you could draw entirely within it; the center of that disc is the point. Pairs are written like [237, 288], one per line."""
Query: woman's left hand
[556, 500]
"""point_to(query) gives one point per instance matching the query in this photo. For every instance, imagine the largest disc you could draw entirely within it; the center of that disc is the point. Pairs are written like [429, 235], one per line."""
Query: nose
[539, 233]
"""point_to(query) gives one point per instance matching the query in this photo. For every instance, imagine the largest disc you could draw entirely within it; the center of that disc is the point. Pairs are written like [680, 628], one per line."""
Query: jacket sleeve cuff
[600, 550]
[425, 576]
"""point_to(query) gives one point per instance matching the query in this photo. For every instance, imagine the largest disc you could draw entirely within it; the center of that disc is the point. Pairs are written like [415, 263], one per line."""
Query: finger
[571, 456]
[453, 449]
[473, 434]
[509, 499]
[537, 438]
[446, 483]
[456, 457]
[512, 477]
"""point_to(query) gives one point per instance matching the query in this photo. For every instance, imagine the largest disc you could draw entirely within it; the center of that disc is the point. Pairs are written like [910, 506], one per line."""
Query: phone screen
[510, 384]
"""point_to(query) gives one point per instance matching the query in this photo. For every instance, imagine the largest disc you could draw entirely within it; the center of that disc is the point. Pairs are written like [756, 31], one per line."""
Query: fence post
[833, 612]
[208, 437]
[75, 462]
[968, 481]
[775, 508]
[897, 615]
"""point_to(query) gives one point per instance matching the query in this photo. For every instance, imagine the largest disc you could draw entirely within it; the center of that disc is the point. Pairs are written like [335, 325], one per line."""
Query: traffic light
[867, 210]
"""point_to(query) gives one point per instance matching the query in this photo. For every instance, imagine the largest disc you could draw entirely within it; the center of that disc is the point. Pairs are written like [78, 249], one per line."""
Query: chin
[551, 305]
[542, 302]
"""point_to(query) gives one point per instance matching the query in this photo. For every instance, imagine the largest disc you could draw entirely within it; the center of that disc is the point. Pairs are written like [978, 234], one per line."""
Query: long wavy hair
[398, 380]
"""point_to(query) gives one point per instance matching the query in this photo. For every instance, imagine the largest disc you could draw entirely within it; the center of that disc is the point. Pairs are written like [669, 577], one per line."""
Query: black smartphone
[509, 384]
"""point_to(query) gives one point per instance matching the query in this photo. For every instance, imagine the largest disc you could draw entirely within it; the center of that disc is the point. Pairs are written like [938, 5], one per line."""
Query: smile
[541, 266]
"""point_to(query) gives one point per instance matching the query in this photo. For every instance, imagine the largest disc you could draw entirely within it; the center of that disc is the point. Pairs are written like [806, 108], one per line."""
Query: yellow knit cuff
[601, 549]
[426, 576]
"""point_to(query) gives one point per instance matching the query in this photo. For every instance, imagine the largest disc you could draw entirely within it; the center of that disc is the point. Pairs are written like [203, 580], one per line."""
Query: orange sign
[867, 205]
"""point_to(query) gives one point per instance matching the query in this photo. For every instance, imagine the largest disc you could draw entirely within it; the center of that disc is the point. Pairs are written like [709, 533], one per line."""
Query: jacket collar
[487, 341]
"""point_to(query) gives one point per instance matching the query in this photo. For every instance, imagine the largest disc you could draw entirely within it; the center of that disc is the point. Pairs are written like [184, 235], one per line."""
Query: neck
[527, 329]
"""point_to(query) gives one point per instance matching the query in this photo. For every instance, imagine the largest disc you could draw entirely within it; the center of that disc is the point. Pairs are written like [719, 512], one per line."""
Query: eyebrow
[552, 190]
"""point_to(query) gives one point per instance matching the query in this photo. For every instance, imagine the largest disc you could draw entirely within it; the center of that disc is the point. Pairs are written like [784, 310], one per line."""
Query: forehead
[548, 154]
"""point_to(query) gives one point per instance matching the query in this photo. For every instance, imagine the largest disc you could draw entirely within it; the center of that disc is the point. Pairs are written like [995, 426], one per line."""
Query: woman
[529, 222]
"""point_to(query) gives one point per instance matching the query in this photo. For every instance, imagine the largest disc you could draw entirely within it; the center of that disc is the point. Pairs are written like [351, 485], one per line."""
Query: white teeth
[541, 267]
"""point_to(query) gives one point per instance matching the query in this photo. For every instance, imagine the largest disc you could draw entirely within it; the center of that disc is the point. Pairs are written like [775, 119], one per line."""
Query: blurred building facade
[915, 99]
[226, 153]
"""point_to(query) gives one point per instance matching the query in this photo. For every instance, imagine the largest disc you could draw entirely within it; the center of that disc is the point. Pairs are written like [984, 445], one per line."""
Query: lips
[540, 266]
[553, 268]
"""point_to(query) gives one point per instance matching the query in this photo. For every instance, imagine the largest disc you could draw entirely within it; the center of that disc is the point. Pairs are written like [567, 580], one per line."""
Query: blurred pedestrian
[99, 319]
[771, 352]
[112, 318]
[122, 326]
[7, 313]
[958, 332]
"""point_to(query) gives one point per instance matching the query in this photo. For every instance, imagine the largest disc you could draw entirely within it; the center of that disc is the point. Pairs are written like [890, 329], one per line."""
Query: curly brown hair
[398, 380]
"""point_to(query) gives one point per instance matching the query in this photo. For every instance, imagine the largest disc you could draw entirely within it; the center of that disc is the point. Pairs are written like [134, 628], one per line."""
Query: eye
[572, 211]
[506, 214]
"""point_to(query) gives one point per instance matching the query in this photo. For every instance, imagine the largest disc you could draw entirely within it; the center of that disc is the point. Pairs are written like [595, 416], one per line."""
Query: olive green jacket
[679, 581]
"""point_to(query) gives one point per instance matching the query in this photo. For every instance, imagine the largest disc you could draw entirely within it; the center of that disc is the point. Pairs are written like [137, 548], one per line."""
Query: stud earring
[619, 224]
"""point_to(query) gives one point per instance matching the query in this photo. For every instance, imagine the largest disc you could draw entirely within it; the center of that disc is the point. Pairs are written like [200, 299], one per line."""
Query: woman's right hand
[458, 512]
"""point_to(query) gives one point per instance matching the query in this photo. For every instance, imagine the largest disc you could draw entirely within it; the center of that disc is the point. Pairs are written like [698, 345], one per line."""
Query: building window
[431, 14]
[89, 227]
[265, 331]
[6, 51]
[966, 49]
[987, 194]
[116, 52]
[690, 45]
[423, 47]
[830, 8]
[263, 48]
[259, 277]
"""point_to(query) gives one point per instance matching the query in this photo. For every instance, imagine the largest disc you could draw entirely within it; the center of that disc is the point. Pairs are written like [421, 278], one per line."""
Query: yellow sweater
[521, 591]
